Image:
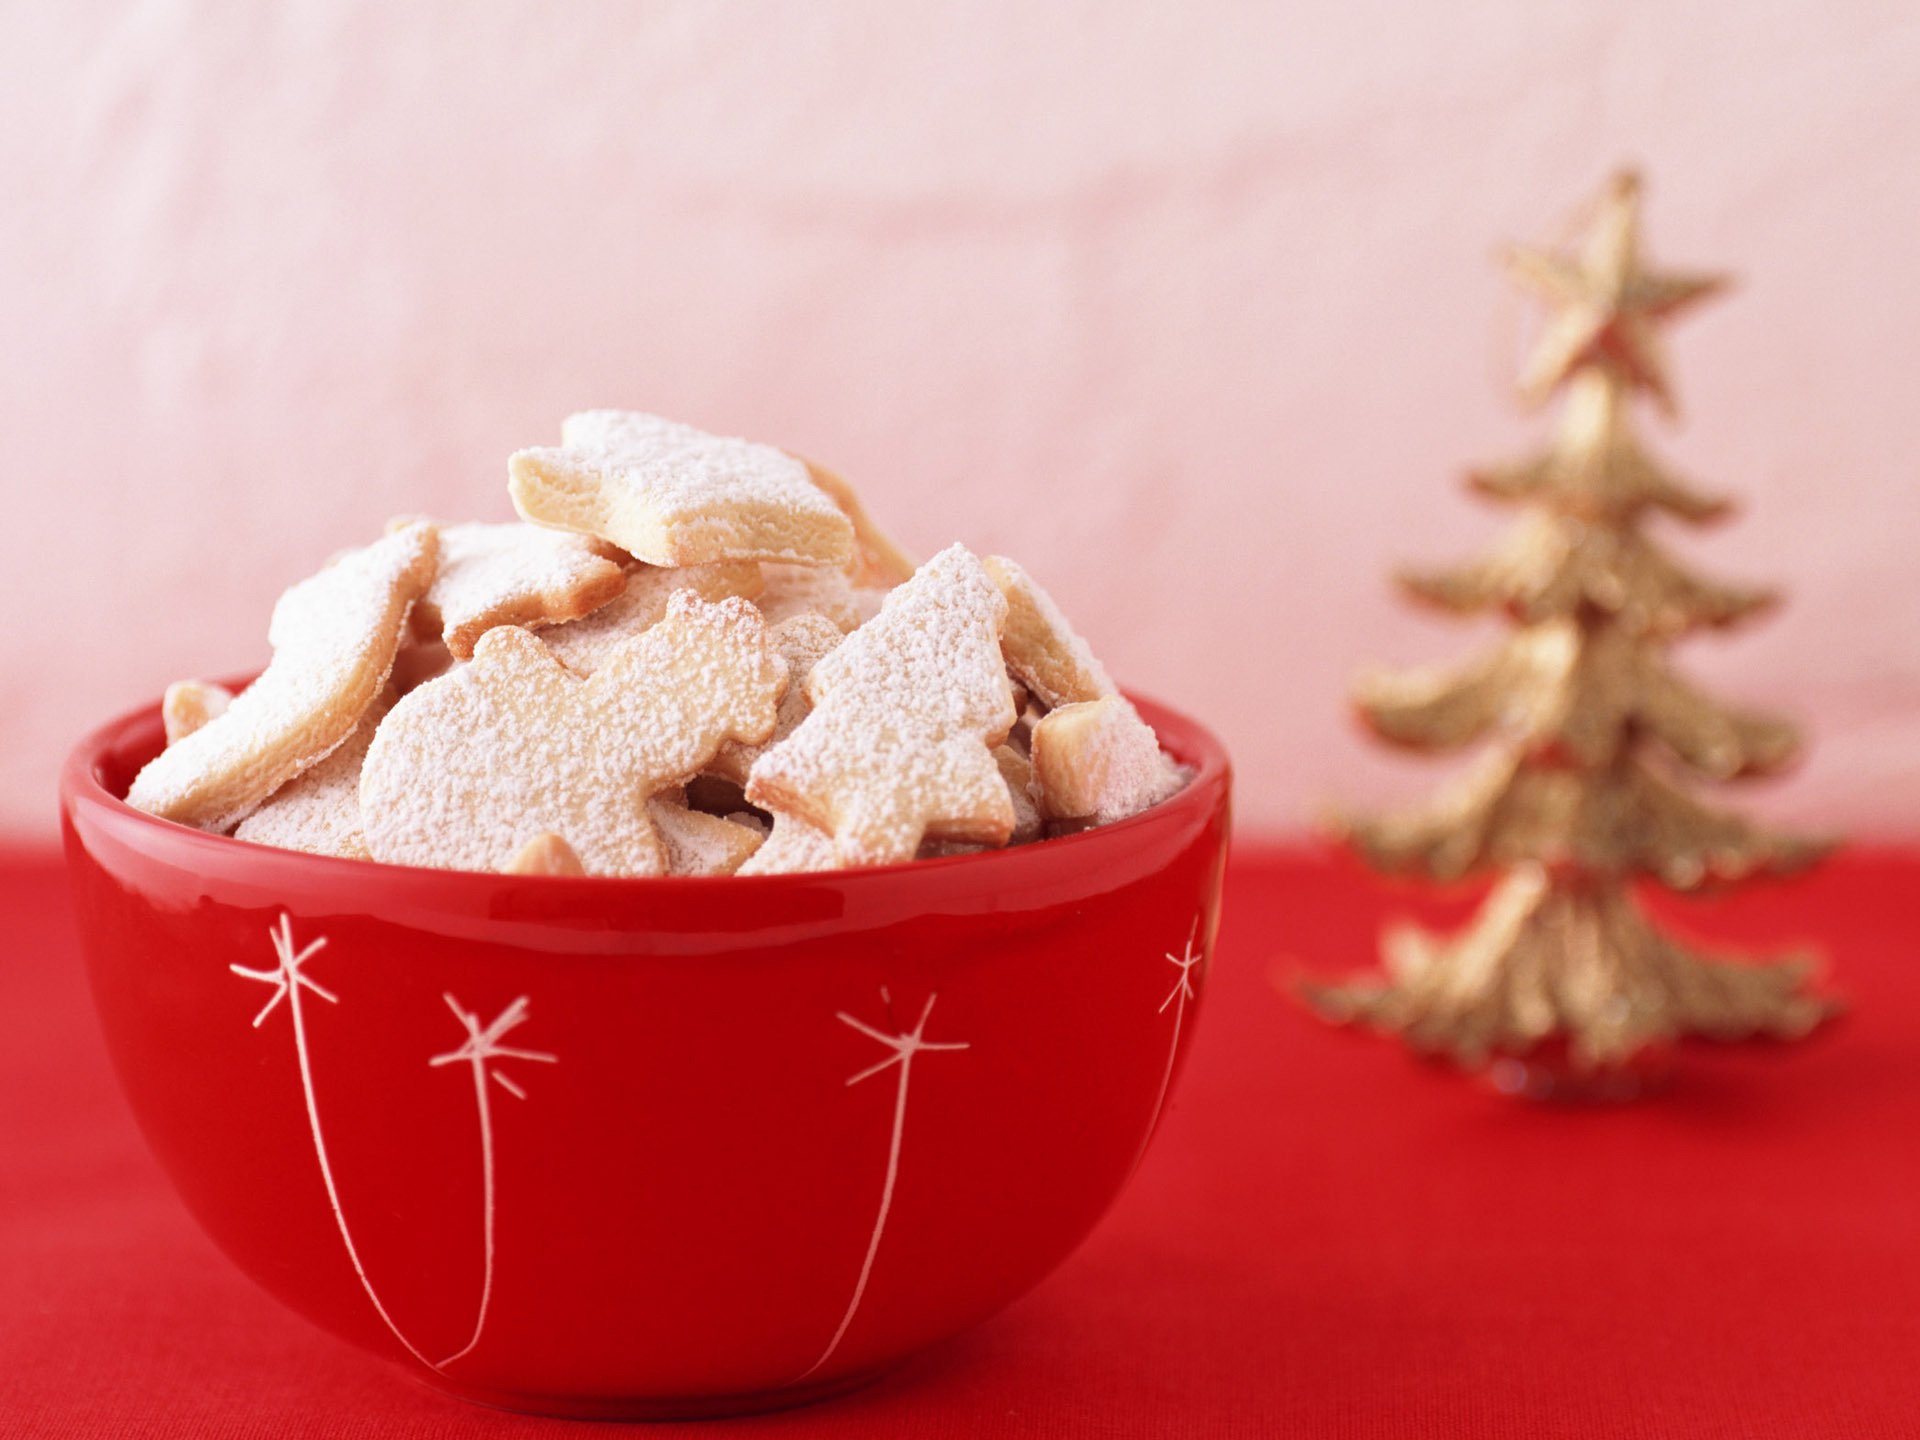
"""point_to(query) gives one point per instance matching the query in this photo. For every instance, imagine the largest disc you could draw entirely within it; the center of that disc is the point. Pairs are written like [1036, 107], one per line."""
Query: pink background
[1190, 307]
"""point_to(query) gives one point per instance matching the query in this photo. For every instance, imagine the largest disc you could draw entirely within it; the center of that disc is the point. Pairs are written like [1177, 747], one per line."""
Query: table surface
[1328, 1238]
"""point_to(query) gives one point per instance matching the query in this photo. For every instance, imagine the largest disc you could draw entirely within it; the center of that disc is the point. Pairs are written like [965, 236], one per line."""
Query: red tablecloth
[1327, 1238]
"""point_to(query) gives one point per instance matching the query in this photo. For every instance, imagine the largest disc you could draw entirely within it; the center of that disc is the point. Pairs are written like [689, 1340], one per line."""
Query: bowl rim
[1192, 744]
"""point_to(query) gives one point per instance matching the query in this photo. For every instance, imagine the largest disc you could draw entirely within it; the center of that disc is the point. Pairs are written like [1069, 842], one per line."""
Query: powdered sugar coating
[318, 812]
[801, 643]
[699, 844]
[514, 574]
[470, 766]
[1028, 825]
[669, 494]
[897, 748]
[334, 636]
[1099, 761]
[792, 590]
[584, 645]
[794, 848]
[1042, 649]
[189, 704]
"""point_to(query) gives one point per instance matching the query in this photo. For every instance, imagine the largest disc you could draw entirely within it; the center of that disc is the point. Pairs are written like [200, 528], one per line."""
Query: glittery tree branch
[1552, 565]
[1595, 467]
[1576, 696]
[1610, 825]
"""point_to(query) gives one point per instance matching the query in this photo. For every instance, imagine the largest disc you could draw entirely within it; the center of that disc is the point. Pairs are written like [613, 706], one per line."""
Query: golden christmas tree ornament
[1589, 731]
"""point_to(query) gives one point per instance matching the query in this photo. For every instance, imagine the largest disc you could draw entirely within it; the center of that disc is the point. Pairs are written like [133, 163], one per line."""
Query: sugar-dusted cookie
[1099, 761]
[1126, 769]
[898, 746]
[318, 811]
[700, 844]
[794, 848]
[471, 766]
[790, 590]
[1017, 770]
[669, 494]
[801, 643]
[584, 644]
[1042, 650]
[1028, 824]
[545, 854]
[189, 704]
[514, 574]
[334, 636]
[877, 562]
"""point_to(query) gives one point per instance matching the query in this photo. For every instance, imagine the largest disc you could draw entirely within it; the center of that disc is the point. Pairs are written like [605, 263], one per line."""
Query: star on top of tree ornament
[1606, 302]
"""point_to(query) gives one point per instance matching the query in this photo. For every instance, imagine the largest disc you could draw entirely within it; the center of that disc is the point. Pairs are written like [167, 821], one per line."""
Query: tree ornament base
[1548, 1075]
[1561, 990]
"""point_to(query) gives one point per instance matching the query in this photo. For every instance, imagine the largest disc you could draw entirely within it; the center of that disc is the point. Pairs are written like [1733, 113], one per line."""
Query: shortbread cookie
[699, 844]
[189, 704]
[669, 494]
[877, 562]
[584, 645]
[545, 854]
[471, 766]
[318, 811]
[794, 848]
[801, 643]
[791, 590]
[1042, 650]
[334, 636]
[1099, 761]
[898, 746]
[1028, 824]
[514, 574]
[1045, 654]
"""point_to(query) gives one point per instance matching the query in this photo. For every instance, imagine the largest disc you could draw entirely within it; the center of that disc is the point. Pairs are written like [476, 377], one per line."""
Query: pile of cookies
[691, 656]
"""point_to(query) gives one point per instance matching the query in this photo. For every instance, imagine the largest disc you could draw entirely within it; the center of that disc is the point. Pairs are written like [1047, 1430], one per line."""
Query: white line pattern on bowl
[1177, 997]
[905, 1045]
[481, 1046]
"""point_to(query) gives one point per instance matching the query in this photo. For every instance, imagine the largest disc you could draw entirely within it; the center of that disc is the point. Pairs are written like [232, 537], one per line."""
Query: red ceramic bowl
[646, 1147]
